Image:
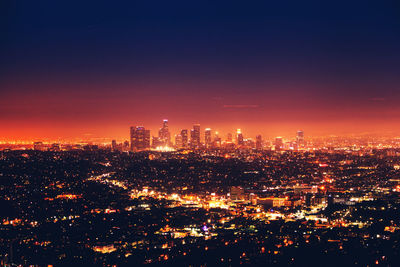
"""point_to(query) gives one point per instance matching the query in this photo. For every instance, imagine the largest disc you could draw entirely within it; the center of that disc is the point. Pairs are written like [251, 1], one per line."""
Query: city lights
[199, 133]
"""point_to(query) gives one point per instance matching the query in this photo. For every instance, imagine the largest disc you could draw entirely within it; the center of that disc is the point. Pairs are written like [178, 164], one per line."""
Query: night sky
[77, 69]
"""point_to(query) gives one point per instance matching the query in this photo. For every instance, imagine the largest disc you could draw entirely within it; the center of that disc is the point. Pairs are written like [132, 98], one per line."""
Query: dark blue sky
[191, 51]
[202, 39]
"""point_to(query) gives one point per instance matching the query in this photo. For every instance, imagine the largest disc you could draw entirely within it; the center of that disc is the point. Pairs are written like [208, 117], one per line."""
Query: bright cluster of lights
[164, 149]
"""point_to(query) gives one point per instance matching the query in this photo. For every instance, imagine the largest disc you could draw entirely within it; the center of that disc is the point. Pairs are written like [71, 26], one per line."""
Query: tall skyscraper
[195, 136]
[258, 142]
[140, 138]
[229, 138]
[278, 143]
[217, 140]
[300, 138]
[185, 139]
[157, 142]
[239, 137]
[178, 141]
[207, 137]
[164, 135]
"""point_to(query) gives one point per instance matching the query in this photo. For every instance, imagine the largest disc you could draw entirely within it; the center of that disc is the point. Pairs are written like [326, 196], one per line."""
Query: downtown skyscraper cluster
[140, 139]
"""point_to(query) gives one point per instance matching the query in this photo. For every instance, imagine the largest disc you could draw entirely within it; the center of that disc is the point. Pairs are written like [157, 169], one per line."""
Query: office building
[300, 138]
[164, 135]
[258, 142]
[178, 141]
[195, 136]
[140, 138]
[239, 137]
[207, 137]
[185, 138]
[229, 138]
[217, 140]
[278, 143]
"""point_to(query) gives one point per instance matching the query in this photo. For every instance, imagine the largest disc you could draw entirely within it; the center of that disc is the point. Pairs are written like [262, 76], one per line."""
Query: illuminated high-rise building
[278, 143]
[185, 138]
[164, 135]
[125, 146]
[156, 142]
[207, 137]
[217, 140]
[195, 136]
[140, 138]
[239, 137]
[229, 138]
[258, 142]
[178, 141]
[300, 138]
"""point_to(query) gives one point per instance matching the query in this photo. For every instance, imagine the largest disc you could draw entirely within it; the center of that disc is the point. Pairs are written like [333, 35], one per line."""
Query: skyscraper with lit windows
[164, 135]
[140, 138]
[239, 137]
[178, 141]
[217, 140]
[207, 137]
[278, 143]
[300, 138]
[229, 138]
[258, 142]
[195, 136]
[185, 138]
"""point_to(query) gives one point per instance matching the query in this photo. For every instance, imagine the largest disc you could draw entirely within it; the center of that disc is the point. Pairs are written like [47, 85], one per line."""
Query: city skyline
[287, 132]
